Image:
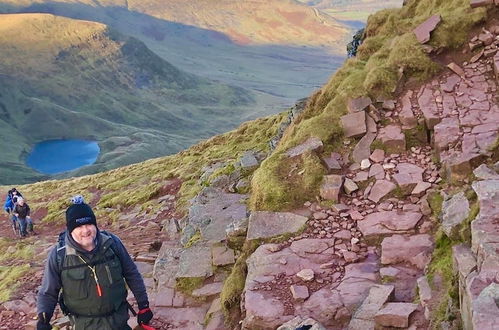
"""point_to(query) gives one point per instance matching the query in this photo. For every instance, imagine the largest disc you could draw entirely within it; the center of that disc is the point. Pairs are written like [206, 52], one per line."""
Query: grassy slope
[390, 46]
[62, 71]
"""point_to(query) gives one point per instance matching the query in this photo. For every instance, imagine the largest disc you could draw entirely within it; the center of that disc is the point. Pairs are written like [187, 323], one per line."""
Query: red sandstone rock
[414, 249]
[388, 222]
[380, 189]
[377, 156]
[408, 176]
[395, 315]
[446, 132]
[299, 292]
[392, 138]
[354, 124]
[457, 69]
[358, 104]
[331, 188]
[311, 144]
[423, 30]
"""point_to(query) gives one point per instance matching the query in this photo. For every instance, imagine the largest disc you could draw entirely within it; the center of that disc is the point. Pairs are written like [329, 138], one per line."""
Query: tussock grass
[10, 280]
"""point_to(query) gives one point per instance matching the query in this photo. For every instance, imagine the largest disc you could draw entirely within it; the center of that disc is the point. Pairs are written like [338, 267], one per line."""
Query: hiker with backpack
[10, 204]
[22, 213]
[93, 269]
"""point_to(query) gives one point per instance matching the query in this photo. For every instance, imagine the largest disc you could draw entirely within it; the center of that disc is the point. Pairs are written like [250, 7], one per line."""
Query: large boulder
[331, 187]
[395, 315]
[364, 315]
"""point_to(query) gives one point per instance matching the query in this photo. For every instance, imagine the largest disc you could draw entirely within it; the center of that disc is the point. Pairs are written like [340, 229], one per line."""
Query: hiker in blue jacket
[10, 204]
[93, 269]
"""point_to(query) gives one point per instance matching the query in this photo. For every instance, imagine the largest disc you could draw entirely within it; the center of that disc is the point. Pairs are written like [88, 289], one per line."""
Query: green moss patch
[9, 280]
[188, 284]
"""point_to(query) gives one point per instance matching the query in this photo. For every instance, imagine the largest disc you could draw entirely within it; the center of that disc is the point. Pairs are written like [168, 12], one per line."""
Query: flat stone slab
[212, 210]
[485, 173]
[222, 256]
[395, 315]
[248, 160]
[195, 262]
[263, 224]
[388, 222]
[378, 296]
[354, 124]
[363, 148]
[208, 290]
[380, 189]
[408, 176]
[415, 250]
[311, 144]
[423, 30]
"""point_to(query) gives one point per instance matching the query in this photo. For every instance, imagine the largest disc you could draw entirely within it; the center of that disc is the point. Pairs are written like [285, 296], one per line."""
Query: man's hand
[145, 314]
[16, 214]
[44, 321]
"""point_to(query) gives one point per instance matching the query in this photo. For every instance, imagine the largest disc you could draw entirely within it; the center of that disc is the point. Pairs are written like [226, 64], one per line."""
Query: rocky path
[360, 263]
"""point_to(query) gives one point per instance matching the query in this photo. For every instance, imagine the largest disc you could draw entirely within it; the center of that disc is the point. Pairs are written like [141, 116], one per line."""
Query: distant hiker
[93, 269]
[22, 213]
[10, 204]
[11, 200]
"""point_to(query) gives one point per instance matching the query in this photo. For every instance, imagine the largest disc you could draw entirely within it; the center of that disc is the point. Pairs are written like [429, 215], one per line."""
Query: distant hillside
[63, 78]
[279, 48]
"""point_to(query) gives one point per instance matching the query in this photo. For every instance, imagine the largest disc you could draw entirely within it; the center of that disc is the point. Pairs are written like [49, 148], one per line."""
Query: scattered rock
[456, 69]
[311, 144]
[299, 292]
[423, 30]
[395, 315]
[350, 186]
[331, 187]
[421, 188]
[358, 104]
[380, 189]
[363, 148]
[248, 161]
[306, 275]
[377, 297]
[378, 156]
[392, 138]
[354, 124]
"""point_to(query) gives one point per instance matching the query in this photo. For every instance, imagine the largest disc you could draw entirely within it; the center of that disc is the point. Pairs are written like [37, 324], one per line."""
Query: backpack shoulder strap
[61, 249]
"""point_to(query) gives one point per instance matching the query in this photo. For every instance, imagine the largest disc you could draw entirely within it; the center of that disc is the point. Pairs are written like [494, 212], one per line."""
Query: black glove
[44, 321]
[145, 314]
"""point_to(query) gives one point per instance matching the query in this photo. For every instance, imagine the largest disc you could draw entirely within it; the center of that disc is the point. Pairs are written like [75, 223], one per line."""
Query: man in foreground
[91, 267]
